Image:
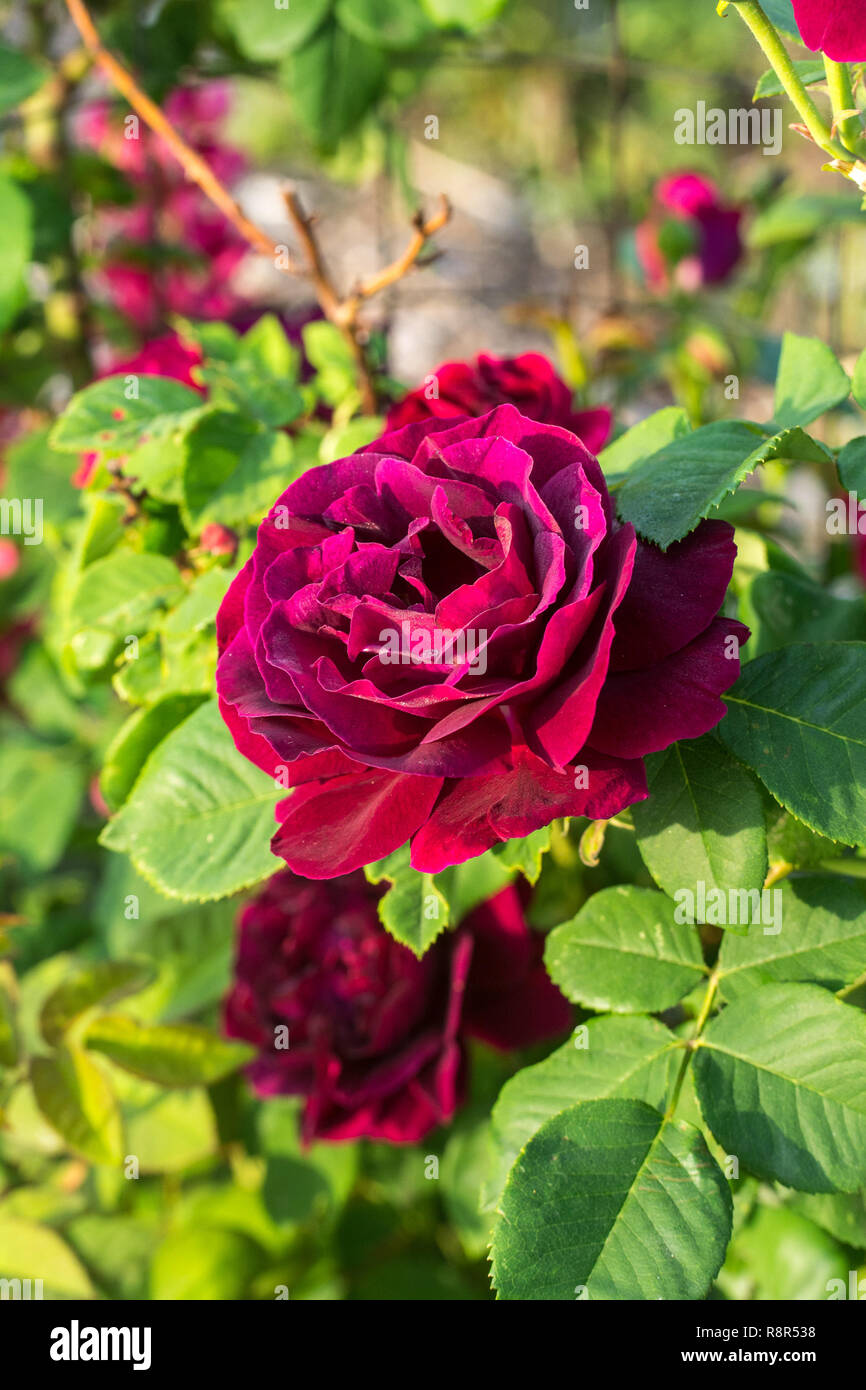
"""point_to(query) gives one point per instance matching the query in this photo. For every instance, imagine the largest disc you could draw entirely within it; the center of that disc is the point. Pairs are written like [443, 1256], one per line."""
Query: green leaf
[334, 80]
[703, 821]
[799, 218]
[8, 1031]
[157, 465]
[798, 717]
[176, 1054]
[135, 741]
[386, 23]
[338, 443]
[117, 1248]
[301, 1182]
[779, 1256]
[464, 1166]
[667, 494]
[470, 15]
[782, 608]
[468, 885]
[822, 941]
[40, 793]
[624, 952]
[191, 945]
[265, 33]
[233, 469]
[140, 680]
[843, 1214]
[33, 469]
[809, 70]
[198, 609]
[29, 1251]
[810, 381]
[621, 1058]
[102, 983]
[16, 219]
[173, 1131]
[203, 1262]
[525, 855]
[199, 821]
[20, 77]
[781, 15]
[779, 1076]
[791, 843]
[645, 439]
[261, 378]
[78, 1102]
[327, 351]
[103, 417]
[851, 464]
[414, 910]
[610, 1201]
[118, 595]
[858, 381]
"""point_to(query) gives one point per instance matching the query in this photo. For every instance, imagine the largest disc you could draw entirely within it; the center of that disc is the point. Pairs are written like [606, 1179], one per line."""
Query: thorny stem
[700, 1024]
[342, 312]
[842, 100]
[774, 50]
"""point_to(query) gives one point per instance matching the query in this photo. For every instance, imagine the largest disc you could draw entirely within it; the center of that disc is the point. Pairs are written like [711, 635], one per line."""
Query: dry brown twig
[342, 311]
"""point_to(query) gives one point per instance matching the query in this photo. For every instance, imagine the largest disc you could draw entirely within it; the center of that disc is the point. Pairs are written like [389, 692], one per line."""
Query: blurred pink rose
[691, 237]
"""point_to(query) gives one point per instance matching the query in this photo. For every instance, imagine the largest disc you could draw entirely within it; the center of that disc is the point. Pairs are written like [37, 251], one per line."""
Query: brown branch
[332, 305]
[342, 312]
[194, 166]
[394, 272]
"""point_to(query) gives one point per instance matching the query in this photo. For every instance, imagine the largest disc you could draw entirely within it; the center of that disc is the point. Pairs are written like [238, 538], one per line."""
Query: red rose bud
[372, 1037]
[529, 382]
[219, 540]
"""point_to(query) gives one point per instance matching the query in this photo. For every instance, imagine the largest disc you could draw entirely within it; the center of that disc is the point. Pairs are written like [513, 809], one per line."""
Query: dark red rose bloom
[377, 1037]
[448, 637]
[529, 382]
[691, 237]
[836, 27]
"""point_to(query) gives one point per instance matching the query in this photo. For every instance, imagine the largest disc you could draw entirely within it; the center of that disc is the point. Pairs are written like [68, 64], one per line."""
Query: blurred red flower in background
[377, 1036]
[691, 237]
[197, 249]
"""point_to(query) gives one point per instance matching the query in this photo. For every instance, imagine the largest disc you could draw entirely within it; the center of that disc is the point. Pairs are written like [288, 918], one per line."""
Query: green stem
[774, 50]
[842, 99]
[700, 1024]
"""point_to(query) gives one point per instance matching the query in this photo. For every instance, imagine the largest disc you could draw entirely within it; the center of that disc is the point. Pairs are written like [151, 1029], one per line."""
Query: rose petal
[644, 711]
[333, 827]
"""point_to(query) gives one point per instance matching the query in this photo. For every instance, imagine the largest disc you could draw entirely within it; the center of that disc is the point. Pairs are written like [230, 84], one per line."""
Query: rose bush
[528, 381]
[691, 237]
[167, 211]
[835, 27]
[378, 1037]
[449, 636]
